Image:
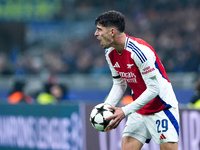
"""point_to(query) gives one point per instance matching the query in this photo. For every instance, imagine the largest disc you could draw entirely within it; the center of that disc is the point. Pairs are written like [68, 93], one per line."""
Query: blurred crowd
[170, 27]
[51, 92]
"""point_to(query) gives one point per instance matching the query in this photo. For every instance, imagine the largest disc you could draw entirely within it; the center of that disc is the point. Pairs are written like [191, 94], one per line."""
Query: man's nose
[95, 33]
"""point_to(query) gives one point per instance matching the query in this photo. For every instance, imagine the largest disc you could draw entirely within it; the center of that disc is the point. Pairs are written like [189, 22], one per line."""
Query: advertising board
[40, 127]
[67, 127]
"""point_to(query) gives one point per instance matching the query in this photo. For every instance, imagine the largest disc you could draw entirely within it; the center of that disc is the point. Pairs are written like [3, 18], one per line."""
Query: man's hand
[118, 116]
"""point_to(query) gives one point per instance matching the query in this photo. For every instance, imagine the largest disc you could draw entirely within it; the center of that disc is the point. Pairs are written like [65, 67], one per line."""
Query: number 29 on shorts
[162, 125]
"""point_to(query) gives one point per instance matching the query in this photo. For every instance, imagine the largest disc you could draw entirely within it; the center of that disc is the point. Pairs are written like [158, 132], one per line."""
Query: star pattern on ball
[93, 121]
[106, 123]
[101, 110]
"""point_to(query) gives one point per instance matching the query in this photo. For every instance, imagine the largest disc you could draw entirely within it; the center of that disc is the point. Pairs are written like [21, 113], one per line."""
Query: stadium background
[53, 41]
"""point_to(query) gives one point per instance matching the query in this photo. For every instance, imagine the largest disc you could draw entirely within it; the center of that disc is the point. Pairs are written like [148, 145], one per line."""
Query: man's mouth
[100, 41]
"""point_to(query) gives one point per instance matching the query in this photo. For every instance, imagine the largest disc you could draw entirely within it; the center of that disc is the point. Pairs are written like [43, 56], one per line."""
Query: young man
[154, 111]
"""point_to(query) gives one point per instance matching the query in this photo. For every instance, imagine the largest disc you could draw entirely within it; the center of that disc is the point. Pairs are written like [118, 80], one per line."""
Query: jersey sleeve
[145, 60]
[151, 92]
[116, 92]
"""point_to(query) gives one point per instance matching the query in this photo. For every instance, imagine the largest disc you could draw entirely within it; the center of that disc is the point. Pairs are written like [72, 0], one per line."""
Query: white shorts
[163, 126]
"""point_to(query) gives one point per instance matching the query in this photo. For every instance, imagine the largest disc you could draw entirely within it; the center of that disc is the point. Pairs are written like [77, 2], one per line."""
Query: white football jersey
[137, 63]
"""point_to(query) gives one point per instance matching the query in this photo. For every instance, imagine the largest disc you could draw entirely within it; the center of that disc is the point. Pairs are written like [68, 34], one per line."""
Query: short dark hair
[112, 18]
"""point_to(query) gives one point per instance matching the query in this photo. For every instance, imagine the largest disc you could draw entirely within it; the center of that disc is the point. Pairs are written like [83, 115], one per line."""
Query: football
[98, 115]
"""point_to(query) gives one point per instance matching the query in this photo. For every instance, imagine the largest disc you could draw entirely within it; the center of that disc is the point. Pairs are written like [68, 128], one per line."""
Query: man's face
[104, 34]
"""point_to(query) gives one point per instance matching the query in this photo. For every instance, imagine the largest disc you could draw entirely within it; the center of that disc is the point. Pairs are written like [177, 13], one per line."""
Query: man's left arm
[151, 92]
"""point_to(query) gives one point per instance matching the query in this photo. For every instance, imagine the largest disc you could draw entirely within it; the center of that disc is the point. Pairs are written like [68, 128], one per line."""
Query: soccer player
[154, 110]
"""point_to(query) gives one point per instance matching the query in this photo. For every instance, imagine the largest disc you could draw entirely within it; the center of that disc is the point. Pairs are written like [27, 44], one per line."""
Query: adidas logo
[162, 137]
[116, 65]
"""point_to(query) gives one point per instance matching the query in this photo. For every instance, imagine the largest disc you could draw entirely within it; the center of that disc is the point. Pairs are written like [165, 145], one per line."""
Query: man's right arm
[119, 84]
[117, 91]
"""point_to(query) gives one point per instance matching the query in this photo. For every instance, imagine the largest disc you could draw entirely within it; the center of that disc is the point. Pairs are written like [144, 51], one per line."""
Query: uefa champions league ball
[98, 115]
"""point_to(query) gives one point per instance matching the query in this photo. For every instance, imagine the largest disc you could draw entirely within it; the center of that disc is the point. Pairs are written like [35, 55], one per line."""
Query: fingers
[112, 116]
[117, 117]
[112, 107]
[114, 123]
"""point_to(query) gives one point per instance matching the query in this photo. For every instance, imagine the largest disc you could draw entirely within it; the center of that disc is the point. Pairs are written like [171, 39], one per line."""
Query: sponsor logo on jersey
[147, 70]
[129, 66]
[162, 137]
[116, 65]
[128, 76]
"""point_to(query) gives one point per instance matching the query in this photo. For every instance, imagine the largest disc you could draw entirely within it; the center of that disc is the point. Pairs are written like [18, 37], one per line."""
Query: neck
[119, 43]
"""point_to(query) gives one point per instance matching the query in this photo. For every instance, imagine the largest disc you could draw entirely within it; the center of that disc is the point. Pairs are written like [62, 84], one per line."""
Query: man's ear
[113, 31]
